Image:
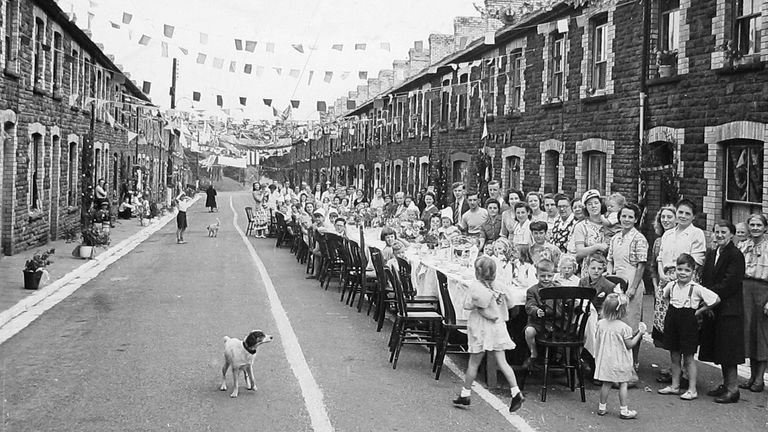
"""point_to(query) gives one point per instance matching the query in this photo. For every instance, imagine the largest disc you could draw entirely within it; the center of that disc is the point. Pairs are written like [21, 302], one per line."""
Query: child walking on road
[613, 360]
[487, 331]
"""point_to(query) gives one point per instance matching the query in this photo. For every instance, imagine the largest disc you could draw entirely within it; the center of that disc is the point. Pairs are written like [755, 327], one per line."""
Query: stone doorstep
[36, 297]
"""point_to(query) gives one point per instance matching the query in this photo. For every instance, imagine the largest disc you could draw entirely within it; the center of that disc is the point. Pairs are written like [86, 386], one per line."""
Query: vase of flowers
[92, 237]
[666, 60]
[34, 268]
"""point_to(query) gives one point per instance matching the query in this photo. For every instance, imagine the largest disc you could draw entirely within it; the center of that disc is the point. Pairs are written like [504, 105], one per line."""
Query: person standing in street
[755, 250]
[181, 217]
[210, 198]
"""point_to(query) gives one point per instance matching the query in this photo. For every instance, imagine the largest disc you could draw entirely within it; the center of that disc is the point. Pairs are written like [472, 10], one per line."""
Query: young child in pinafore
[613, 359]
[487, 331]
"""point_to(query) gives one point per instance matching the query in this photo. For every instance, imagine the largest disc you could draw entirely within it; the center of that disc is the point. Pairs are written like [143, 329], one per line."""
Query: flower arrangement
[731, 51]
[39, 261]
[666, 57]
[93, 236]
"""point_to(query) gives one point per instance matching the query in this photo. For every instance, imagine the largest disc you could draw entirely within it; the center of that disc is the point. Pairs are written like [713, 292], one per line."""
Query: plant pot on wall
[665, 71]
[32, 279]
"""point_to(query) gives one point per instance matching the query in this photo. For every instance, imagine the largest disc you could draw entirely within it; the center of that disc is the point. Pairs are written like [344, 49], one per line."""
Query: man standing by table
[474, 218]
[460, 205]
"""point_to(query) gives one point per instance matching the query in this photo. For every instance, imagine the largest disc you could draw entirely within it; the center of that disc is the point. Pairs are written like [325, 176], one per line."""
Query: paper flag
[267, 102]
[250, 46]
[110, 120]
[311, 74]
[562, 25]
[295, 103]
[168, 30]
[345, 75]
[337, 47]
[219, 100]
[203, 39]
[247, 68]
[164, 48]
[351, 104]
[146, 87]
[360, 47]
[132, 136]
[294, 73]
[278, 70]
[298, 47]
[259, 70]
[363, 75]
[196, 96]
[184, 50]
[242, 100]
[127, 18]
[490, 38]
[118, 78]
[201, 58]
[144, 40]
[232, 66]
[114, 24]
[270, 47]
[384, 46]
[218, 63]
[73, 99]
[275, 112]
[328, 76]
[321, 106]
[239, 44]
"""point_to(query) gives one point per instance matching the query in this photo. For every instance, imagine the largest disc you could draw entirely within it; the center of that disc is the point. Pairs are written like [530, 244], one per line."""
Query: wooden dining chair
[618, 280]
[369, 283]
[409, 327]
[451, 328]
[566, 333]
[406, 281]
[333, 264]
[251, 221]
[282, 233]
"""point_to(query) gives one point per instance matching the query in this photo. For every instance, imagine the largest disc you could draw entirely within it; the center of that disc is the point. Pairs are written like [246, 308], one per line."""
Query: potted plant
[92, 237]
[666, 60]
[34, 267]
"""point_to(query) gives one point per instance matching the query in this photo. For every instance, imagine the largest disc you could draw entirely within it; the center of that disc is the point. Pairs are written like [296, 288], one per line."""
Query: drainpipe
[643, 91]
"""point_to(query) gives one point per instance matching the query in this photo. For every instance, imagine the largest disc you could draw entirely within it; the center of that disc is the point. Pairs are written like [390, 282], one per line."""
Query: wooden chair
[618, 280]
[567, 324]
[369, 283]
[404, 273]
[282, 233]
[451, 327]
[350, 273]
[272, 229]
[251, 221]
[333, 264]
[408, 326]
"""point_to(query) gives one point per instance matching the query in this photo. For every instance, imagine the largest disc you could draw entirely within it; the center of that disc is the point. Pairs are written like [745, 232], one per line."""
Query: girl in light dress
[513, 273]
[613, 360]
[486, 330]
[567, 274]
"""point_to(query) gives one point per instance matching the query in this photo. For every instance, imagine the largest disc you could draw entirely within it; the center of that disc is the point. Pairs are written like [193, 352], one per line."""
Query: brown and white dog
[239, 355]
[213, 229]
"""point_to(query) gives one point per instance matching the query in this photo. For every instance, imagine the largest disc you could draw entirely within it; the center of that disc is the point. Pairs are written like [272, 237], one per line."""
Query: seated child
[541, 246]
[610, 220]
[537, 309]
[567, 271]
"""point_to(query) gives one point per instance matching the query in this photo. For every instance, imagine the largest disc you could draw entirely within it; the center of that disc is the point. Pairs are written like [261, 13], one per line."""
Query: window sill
[513, 115]
[462, 128]
[595, 98]
[555, 103]
[40, 91]
[10, 73]
[442, 130]
[674, 79]
[35, 215]
[57, 96]
[740, 68]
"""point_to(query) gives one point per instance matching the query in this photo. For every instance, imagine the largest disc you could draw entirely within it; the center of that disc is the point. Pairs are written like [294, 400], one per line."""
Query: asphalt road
[140, 347]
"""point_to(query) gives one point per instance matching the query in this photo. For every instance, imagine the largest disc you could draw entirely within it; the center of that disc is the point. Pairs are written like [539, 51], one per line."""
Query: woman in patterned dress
[588, 234]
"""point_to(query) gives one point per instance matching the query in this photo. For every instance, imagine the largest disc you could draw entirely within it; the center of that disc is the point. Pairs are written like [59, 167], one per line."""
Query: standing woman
[210, 198]
[627, 255]
[722, 340]
[588, 234]
[429, 208]
[318, 192]
[534, 200]
[665, 221]
[755, 250]
[181, 217]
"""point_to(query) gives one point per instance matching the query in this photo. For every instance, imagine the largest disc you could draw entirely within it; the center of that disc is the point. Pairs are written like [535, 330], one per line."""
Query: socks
[624, 410]
[514, 391]
[602, 406]
[465, 392]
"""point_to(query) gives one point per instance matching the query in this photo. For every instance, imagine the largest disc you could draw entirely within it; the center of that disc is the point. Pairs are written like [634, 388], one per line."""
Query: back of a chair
[345, 252]
[378, 267]
[249, 213]
[404, 270]
[280, 218]
[317, 237]
[363, 257]
[618, 280]
[354, 254]
[335, 246]
[402, 308]
[446, 305]
[571, 310]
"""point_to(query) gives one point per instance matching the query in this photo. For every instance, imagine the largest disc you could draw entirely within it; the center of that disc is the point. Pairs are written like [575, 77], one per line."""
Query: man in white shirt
[474, 218]
[685, 238]
[494, 191]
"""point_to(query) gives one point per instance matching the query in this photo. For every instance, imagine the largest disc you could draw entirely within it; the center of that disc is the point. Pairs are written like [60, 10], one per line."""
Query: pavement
[138, 347]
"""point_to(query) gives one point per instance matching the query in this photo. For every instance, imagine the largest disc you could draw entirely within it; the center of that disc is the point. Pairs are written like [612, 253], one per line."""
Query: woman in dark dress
[210, 198]
[722, 338]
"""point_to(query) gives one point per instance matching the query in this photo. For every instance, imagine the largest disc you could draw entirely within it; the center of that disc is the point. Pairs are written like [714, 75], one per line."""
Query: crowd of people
[713, 293]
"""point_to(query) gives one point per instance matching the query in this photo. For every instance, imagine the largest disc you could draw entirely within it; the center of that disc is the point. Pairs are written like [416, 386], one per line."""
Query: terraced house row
[54, 79]
[652, 99]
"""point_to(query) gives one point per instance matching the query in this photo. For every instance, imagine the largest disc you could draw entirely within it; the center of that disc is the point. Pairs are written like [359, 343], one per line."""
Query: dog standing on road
[239, 355]
[213, 229]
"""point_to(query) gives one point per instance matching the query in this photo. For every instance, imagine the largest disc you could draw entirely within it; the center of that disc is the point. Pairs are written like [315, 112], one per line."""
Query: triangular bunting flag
[144, 40]
[218, 63]
[270, 47]
[311, 74]
[294, 73]
[219, 100]
[298, 47]
[73, 99]
[275, 112]
[360, 47]
[267, 102]
[337, 47]
[110, 120]
[328, 76]
[201, 58]
[242, 100]
[232, 66]
[132, 136]
[184, 50]
[295, 103]
[146, 87]
[351, 103]
[490, 38]
[250, 46]
[114, 24]
[363, 75]
[321, 106]
[203, 39]
[239, 44]
[345, 75]
[278, 70]
[248, 68]
[164, 48]
[127, 18]
[196, 96]
[384, 46]
[168, 30]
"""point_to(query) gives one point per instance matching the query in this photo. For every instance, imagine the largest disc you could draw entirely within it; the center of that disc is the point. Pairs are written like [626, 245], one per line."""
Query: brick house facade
[574, 98]
[52, 71]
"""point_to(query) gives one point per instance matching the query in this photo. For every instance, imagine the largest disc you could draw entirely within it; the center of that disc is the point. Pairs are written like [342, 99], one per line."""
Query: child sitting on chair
[537, 310]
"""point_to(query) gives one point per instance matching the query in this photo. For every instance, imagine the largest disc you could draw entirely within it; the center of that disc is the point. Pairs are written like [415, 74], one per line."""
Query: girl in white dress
[487, 331]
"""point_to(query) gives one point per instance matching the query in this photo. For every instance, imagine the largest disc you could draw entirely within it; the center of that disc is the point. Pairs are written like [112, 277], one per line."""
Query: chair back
[378, 267]
[618, 280]
[355, 257]
[335, 246]
[249, 213]
[446, 305]
[363, 257]
[345, 253]
[402, 307]
[567, 311]
[280, 218]
[317, 237]
[404, 270]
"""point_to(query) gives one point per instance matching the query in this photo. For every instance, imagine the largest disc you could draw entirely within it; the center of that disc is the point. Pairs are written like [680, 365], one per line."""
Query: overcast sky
[321, 23]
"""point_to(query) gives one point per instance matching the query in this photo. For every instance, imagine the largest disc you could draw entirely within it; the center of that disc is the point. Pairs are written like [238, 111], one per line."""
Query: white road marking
[313, 396]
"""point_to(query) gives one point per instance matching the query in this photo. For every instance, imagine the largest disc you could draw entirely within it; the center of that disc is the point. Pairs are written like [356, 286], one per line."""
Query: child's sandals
[669, 390]
[689, 395]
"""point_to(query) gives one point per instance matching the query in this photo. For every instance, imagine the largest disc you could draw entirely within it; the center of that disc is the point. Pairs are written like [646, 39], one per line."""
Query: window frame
[669, 25]
[11, 23]
[57, 72]
[515, 80]
[551, 169]
[589, 158]
[493, 86]
[462, 102]
[34, 191]
[38, 52]
[445, 103]
[729, 172]
[72, 159]
[557, 58]
[753, 28]
[600, 49]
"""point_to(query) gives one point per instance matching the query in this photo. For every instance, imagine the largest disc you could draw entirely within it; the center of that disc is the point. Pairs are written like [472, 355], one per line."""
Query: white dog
[213, 229]
[239, 355]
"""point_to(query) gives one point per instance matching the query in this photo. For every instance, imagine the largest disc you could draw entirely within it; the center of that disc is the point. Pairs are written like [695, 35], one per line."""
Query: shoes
[461, 400]
[602, 412]
[757, 388]
[718, 391]
[629, 415]
[746, 385]
[669, 390]
[728, 397]
[517, 402]
[689, 395]
[664, 378]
